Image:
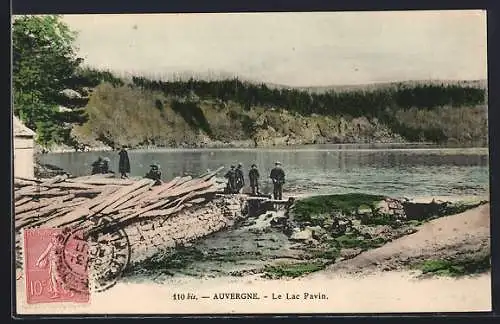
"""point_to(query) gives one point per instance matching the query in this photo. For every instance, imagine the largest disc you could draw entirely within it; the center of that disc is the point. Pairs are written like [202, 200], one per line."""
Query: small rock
[304, 235]
[317, 232]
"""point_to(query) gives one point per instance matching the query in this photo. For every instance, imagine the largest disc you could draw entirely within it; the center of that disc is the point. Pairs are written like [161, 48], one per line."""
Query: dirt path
[467, 233]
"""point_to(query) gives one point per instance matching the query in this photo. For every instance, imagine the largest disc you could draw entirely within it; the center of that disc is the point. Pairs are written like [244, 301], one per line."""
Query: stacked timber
[63, 201]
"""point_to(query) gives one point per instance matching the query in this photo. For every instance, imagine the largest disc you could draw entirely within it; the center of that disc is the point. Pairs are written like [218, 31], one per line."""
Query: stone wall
[151, 236]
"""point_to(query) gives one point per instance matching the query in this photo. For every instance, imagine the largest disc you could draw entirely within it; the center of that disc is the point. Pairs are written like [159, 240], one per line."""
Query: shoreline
[397, 146]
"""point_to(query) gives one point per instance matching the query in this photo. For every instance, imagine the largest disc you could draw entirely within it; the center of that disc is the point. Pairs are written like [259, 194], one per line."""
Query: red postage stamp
[55, 266]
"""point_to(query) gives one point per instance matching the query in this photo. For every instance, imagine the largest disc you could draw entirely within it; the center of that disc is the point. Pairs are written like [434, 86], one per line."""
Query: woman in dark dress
[124, 163]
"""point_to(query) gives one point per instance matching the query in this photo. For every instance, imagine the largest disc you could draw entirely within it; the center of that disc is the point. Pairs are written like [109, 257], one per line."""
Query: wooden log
[162, 203]
[31, 206]
[92, 177]
[22, 201]
[41, 223]
[120, 193]
[89, 193]
[154, 194]
[140, 199]
[159, 189]
[35, 217]
[148, 211]
[56, 179]
[210, 175]
[46, 193]
[115, 206]
[105, 181]
[47, 210]
[29, 179]
[198, 200]
[170, 193]
[73, 185]
[105, 194]
[23, 183]
[33, 189]
[82, 210]
[178, 191]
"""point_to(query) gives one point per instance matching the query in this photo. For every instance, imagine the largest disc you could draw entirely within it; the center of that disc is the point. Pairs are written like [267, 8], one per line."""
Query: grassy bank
[457, 267]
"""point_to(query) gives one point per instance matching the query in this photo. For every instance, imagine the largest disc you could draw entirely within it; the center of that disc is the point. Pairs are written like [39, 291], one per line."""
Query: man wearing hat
[254, 175]
[154, 173]
[97, 166]
[278, 178]
[124, 163]
[231, 180]
[105, 165]
[240, 178]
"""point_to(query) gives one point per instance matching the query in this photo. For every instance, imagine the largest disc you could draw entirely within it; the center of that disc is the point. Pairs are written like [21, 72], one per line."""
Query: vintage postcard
[328, 162]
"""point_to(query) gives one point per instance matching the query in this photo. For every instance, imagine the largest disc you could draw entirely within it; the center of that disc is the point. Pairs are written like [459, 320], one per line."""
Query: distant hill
[224, 75]
[139, 111]
[482, 84]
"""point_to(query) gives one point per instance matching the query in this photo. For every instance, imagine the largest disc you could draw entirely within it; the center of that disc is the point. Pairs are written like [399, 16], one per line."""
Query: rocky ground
[284, 244]
[452, 239]
[360, 265]
[356, 285]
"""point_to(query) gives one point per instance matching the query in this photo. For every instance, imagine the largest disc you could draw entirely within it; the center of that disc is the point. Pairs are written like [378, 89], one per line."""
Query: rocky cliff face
[286, 129]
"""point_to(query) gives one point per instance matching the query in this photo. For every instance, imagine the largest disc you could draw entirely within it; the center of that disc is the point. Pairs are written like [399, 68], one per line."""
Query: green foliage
[166, 260]
[304, 209]
[353, 240]
[292, 270]
[331, 252]
[457, 267]
[380, 219]
[353, 103]
[44, 64]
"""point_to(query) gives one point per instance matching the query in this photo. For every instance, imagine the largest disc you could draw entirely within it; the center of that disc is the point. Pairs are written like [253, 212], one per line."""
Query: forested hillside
[143, 112]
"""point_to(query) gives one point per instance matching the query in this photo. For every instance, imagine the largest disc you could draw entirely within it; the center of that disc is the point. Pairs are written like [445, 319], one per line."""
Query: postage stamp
[70, 264]
[55, 270]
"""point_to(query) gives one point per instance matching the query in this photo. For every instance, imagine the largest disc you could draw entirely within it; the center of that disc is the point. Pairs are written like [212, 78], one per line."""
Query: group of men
[101, 166]
[235, 176]
[236, 179]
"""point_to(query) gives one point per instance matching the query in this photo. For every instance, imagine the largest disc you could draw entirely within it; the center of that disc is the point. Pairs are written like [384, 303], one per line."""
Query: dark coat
[278, 175]
[253, 175]
[154, 174]
[240, 177]
[124, 163]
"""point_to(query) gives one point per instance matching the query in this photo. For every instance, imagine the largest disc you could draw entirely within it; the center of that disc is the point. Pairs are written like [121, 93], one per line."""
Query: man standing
[240, 178]
[278, 177]
[231, 180]
[124, 163]
[254, 175]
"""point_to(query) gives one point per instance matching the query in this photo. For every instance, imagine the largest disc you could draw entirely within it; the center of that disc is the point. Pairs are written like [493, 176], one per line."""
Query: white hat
[277, 162]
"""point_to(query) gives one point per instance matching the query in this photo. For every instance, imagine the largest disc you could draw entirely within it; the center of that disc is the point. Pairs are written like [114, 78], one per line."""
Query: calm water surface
[405, 170]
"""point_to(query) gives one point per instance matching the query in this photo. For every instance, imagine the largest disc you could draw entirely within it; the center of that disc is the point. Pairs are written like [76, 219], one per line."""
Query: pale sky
[295, 49]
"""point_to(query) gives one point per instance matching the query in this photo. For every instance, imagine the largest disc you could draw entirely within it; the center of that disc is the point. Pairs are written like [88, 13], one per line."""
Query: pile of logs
[63, 201]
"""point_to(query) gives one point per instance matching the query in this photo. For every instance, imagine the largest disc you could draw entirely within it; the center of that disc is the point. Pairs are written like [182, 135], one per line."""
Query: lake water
[395, 170]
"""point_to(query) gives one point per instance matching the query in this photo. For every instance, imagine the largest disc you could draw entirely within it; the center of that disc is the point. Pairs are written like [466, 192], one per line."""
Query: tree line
[353, 103]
